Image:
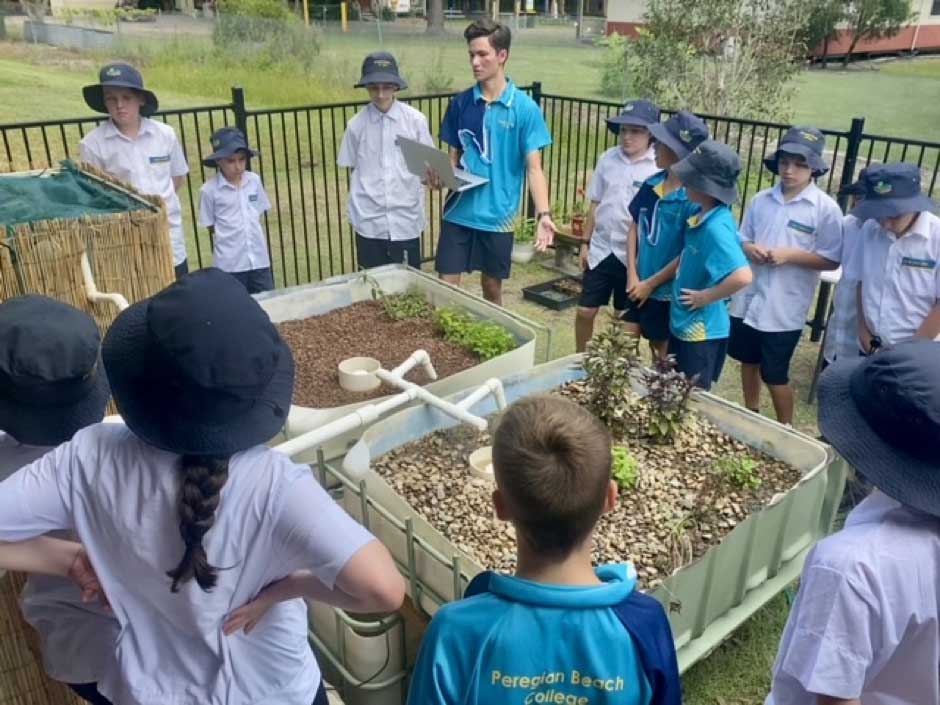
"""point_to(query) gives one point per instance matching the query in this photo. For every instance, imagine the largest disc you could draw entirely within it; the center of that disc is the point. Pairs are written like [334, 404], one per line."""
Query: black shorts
[705, 359]
[375, 252]
[597, 284]
[462, 249]
[256, 280]
[652, 317]
[181, 269]
[772, 351]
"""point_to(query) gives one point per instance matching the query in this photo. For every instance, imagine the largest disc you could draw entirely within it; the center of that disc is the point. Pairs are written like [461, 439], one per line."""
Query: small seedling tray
[548, 295]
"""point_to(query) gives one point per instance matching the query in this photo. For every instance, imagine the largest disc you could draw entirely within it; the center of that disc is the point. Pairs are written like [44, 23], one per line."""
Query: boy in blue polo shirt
[660, 211]
[620, 171]
[791, 232]
[712, 265]
[558, 631]
[495, 131]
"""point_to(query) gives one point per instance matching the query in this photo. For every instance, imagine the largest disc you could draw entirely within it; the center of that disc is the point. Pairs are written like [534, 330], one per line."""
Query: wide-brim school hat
[682, 133]
[119, 76]
[806, 142]
[711, 168]
[641, 113]
[882, 413]
[227, 142]
[381, 67]
[52, 382]
[891, 190]
[199, 368]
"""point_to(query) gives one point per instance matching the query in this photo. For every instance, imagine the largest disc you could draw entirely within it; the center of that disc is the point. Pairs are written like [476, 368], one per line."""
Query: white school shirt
[148, 163]
[615, 182]
[76, 639]
[386, 201]
[120, 496]
[865, 622]
[842, 338]
[779, 297]
[900, 277]
[235, 212]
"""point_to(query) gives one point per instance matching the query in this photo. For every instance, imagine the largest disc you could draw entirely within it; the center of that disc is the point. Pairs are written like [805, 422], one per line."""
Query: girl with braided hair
[186, 515]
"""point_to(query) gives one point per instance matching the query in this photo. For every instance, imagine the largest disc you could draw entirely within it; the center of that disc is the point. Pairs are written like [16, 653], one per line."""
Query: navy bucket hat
[119, 76]
[227, 142]
[682, 133]
[891, 190]
[52, 383]
[711, 168]
[882, 413]
[199, 368]
[381, 67]
[806, 142]
[641, 113]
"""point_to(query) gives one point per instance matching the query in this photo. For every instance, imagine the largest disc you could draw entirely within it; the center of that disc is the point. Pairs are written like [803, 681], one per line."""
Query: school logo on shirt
[881, 188]
[637, 184]
[252, 197]
[801, 227]
[919, 263]
[506, 124]
[160, 159]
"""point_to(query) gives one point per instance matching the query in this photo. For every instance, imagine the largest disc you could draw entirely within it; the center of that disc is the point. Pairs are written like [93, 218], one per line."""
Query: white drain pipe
[91, 289]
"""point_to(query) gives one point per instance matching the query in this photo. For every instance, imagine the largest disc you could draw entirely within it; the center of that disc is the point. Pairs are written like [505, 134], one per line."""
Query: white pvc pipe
[491, 386]
[91, 289]
[425, 396]
[418, 357]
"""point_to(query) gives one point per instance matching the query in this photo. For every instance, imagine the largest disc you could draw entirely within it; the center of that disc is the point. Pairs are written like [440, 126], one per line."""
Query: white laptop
[420, 158]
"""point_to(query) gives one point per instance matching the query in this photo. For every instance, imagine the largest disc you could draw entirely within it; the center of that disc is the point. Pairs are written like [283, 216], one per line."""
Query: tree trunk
[848, 54]
[435, 16]
[825, 53]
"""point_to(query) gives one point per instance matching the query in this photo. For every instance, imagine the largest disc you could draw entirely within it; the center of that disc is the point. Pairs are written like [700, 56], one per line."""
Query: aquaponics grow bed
[317, 299]
[706, 599]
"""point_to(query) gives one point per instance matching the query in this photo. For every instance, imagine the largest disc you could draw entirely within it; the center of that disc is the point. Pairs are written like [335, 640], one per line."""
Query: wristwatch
[542, 214]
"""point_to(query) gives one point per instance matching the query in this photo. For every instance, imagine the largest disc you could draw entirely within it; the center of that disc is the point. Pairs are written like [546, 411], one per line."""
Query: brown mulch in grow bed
[320, 343]
[680, 508]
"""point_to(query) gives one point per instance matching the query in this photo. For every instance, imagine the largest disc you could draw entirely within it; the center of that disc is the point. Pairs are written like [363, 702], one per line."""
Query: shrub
[667, 399]
[614, 66]
[266, 27]
[610, 361]
[437, 79]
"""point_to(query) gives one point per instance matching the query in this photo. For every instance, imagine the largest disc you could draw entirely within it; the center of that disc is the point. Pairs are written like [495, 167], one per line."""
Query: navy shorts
[375, 252]
[256, 280]
[772, 351]
[181, 269]
[704, 358]
[462, 249]
[652, 317]
[597, 284]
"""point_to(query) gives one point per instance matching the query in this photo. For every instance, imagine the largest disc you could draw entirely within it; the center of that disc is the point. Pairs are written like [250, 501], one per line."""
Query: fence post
[238, 107]
[530, 204]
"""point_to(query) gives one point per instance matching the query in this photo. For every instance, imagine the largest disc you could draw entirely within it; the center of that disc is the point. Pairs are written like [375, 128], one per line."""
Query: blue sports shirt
[495, 138]
[513, 641]
[712, 251]
[660, 225]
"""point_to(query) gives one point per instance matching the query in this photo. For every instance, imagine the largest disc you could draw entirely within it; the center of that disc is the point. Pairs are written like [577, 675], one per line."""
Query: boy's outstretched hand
[546, 234]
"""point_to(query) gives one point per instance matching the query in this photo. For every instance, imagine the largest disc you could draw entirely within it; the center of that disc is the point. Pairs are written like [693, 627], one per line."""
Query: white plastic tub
[301, 302]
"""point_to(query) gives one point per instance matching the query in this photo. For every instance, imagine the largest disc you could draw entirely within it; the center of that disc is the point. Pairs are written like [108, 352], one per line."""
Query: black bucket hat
[712, 168]
[856, 188]
[199, 368]
[682, 133]
[806, 142]
[226, 142]
[119, 76]
[891, 190]
[882, 413]
[641, 113]
[52, 383]
[381, 67]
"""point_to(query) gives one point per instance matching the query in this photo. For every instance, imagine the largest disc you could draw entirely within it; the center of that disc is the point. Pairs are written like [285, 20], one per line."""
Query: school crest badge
[685, 136]
[114, 72]
[882, 188]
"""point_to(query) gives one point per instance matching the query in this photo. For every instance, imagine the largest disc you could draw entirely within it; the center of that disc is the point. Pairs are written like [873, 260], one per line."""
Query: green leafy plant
[740, 470]
[398, 307]
[525, 230]
[388, 14]
[614, 66]
[611, 360]
[667, 399]
[483, 338]
[269, 29]
[625, 469]
[438, 79]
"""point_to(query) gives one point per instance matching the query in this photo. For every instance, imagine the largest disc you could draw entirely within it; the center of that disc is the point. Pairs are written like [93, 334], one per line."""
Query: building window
[935, 8]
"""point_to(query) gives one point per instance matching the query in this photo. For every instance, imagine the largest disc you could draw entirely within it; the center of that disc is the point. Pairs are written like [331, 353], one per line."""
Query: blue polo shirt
[661, 222]
[711, 252]
[516, 641]
[495, 138]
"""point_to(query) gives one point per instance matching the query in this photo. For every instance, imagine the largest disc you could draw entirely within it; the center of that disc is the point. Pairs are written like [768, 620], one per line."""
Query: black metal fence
[307, 230]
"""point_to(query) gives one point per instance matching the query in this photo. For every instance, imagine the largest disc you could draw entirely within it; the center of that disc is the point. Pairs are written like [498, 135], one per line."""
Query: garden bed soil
[320, 343]
[680, 508]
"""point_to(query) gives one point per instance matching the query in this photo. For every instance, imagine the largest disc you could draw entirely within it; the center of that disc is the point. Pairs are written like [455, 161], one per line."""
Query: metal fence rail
[307, 230]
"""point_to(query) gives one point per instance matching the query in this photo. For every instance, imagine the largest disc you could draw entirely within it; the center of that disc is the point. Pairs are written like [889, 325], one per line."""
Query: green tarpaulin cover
[67, 193]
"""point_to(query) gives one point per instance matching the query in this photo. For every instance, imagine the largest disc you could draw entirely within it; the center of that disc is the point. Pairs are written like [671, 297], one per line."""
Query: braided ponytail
[204, 476]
